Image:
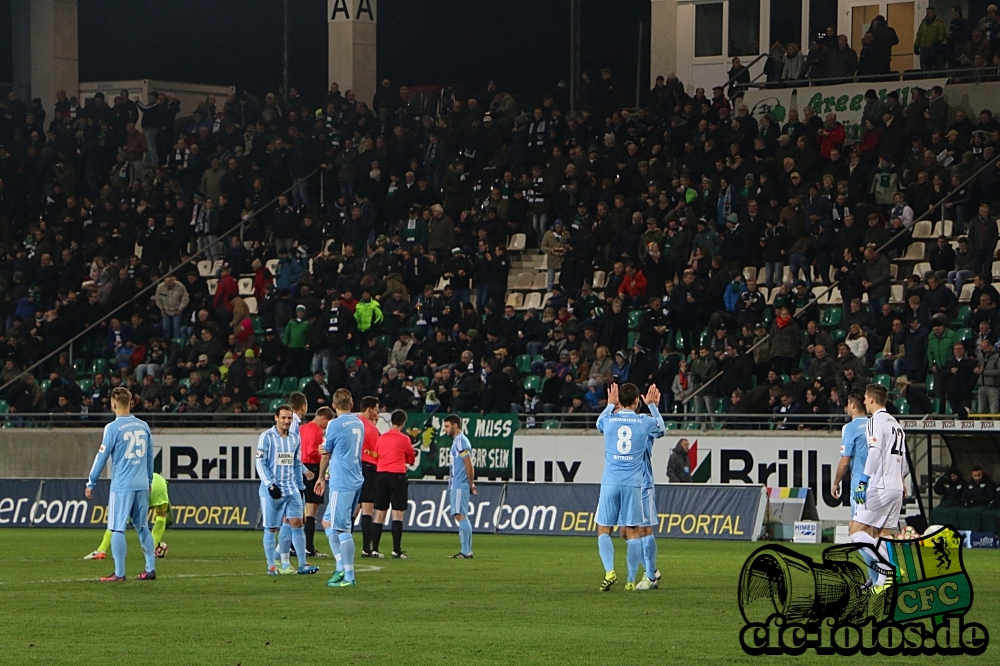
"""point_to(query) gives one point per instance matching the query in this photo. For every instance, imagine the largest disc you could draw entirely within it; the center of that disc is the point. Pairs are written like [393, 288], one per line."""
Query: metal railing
[954, 75]
[192, 259]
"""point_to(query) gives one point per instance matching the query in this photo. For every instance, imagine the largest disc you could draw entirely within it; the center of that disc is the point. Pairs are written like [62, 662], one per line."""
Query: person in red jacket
[394, 451]
[633, 286]
[831, 136]
[225, 292]
[312, 435]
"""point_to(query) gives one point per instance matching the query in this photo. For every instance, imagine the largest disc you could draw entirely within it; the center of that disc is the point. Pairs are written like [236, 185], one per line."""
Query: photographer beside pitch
[628, 436]
[128, 443]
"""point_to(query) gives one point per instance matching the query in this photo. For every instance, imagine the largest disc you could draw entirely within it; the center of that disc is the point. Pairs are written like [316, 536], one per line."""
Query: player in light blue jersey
[279, 466]
[128, 443]
[627, 437]
[299, 405]
[853, 446]
[342, 456]
[461, 484]
[650, 581]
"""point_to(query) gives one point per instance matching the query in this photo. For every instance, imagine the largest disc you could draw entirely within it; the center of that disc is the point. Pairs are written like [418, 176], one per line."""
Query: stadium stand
[494, 255]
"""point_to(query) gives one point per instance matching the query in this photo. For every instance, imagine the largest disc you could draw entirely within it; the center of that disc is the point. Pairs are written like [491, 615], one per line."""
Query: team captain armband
[464, 453]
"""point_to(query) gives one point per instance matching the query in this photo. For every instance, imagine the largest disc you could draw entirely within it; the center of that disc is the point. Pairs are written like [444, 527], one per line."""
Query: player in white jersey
[879, 493]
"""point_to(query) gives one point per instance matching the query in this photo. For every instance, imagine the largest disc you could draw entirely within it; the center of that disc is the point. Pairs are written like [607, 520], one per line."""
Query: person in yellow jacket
[930, 41]
[367, 313]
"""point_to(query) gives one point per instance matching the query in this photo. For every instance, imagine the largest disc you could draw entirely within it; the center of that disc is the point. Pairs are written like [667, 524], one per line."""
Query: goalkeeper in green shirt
[159, 503]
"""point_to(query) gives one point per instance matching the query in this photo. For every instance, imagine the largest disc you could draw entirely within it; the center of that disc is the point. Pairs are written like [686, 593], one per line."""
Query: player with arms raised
[342, 456]
[627, 437]
[128, 443]
[879, 493]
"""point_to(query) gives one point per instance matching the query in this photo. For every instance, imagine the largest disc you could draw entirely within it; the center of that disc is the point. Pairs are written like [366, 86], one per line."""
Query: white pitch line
[366, 568]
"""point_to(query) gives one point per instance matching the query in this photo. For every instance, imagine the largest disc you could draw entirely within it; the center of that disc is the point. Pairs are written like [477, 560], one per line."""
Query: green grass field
[523, 600]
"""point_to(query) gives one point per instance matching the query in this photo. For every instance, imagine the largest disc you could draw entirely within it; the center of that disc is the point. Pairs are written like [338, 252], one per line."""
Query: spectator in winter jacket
[678, 464]
[930, 40]
[633, 287]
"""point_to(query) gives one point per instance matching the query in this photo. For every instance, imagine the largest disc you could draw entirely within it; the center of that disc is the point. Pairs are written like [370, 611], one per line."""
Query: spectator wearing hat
[296, 339]
[940, 346]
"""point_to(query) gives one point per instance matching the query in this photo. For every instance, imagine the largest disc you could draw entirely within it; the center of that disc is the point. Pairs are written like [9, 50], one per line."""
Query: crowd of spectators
[940, 42]
[390, 274]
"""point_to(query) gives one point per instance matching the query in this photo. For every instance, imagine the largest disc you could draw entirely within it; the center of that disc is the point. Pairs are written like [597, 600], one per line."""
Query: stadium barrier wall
[775, 458]
[692, 511]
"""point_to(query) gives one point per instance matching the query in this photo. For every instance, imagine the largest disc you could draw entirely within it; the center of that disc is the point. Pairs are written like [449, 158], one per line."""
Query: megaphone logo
[791, 603]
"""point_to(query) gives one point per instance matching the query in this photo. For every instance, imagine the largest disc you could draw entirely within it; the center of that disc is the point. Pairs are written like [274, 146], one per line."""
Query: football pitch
[522, 600]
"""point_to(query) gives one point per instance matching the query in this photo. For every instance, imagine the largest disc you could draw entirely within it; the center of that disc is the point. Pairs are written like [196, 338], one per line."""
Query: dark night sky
[523, 45]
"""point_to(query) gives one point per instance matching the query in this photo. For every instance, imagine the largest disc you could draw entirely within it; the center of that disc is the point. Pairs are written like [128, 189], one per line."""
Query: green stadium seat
[85, 384]
[963, 312]
[272, 385]
[523, 362]
[692, 425]
[289, 385]
[185, 382]
[705, 337]
[830, 318]
[785, 379]
[766, 319]
[680, 342]
[538, 358]
[4, 407]
[533, 382]
[935, 405]
[385, 341]
[45, 383]
[838, 334]
[883, 380]
[671, 425]
[930, 383]
[98, 365]
[902, 405]
[178, 342]
[632, 337]
[80, 365]
[633, 319]
[963, 334]
[550, 424]
[719, 405]
[274, 404]
[258, 328]
[753, 381]
[302, 383]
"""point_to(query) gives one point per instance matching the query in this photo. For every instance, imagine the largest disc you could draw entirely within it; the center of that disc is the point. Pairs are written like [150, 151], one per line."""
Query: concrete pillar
[351, 58]
[54, 46]
[662, 38]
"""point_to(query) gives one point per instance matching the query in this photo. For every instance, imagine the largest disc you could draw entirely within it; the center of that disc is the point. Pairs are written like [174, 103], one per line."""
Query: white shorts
[881, 508]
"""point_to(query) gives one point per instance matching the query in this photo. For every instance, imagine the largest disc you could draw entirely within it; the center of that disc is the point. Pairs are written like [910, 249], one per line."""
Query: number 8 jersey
[627, 436]
[886, 451]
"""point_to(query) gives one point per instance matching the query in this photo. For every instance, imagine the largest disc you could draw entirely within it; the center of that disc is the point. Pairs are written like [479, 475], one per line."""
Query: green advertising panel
[491, 436]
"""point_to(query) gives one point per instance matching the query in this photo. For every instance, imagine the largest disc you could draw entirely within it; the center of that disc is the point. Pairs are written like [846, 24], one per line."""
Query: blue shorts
[620, 505]
[274, 510]
[460, 501]
[122, 506]
[340, 509]
[649, 507]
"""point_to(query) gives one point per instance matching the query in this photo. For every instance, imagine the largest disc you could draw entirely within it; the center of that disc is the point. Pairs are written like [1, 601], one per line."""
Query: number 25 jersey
[627, 436]
[886, 452]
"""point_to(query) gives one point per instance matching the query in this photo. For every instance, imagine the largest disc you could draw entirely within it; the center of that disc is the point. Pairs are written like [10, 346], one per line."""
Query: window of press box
[708, 29]
[786, 23]
[744, 28]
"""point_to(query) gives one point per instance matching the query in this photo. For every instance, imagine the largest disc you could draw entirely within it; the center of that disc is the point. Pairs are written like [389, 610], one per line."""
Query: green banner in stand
[491, 436]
